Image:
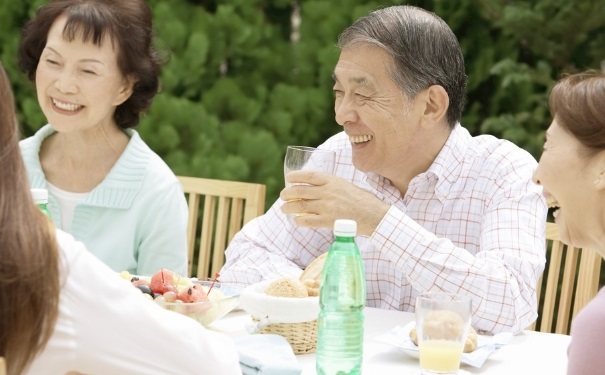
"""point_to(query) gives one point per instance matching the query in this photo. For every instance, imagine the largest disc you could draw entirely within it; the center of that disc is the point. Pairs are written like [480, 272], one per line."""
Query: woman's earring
[597, 180]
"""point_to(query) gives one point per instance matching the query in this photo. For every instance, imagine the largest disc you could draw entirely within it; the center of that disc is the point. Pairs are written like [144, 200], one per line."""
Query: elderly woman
[96, 72]
[572, 172]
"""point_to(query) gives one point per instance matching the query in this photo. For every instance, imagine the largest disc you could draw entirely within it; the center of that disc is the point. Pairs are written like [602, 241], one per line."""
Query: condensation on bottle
[342, 298]
[40, 197]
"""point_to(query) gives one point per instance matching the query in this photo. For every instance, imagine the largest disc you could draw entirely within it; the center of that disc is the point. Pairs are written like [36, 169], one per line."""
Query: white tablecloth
[528, 353]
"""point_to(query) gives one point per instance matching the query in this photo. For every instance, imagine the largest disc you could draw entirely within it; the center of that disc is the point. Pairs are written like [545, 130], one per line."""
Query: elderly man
[437, 209]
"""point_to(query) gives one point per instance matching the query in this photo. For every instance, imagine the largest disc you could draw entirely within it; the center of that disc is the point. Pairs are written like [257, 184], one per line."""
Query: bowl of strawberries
[205, 300]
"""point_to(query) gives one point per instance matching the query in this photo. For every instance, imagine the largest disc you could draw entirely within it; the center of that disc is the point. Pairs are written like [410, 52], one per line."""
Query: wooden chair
[565, 294]
[227, 206]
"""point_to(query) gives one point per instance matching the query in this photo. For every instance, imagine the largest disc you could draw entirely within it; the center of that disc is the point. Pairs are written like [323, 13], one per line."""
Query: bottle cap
[40, 195]
[345, 228]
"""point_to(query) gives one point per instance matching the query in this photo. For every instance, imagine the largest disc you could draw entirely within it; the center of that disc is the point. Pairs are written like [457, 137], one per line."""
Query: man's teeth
[360, 138]
[66, 106]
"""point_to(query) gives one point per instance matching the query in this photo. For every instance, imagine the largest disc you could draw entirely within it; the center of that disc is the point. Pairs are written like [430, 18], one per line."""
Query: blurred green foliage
[245, 78]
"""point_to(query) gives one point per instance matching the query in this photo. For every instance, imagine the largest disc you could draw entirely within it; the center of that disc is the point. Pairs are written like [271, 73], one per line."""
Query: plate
[486, 345]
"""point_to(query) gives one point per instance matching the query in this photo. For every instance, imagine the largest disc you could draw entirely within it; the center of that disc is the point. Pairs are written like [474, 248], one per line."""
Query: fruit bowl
[223, 298]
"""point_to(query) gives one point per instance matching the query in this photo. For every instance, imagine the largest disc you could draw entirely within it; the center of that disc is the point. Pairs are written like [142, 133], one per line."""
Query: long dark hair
[29, 258]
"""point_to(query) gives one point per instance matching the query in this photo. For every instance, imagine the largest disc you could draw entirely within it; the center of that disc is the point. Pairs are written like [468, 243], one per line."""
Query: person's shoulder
[592, 315]
[490, 144]
[157, 169]
[588, 327]
[69, 247]
[500, 150]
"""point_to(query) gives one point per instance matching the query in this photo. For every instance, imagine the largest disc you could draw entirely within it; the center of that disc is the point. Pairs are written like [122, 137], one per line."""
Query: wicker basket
[301, 336]
[293, 318]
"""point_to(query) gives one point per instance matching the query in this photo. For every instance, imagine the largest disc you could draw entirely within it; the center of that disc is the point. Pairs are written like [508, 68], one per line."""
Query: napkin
[266, 354]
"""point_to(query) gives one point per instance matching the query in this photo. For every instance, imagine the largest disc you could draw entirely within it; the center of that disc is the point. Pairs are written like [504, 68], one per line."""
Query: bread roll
[313, 270]
[471, 340]
[312, 287]
[287, 287]
[443, 324]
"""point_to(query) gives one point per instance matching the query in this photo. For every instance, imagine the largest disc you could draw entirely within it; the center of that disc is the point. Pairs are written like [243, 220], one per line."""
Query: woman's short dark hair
[424, 50]
[127, 23]
[577, 102]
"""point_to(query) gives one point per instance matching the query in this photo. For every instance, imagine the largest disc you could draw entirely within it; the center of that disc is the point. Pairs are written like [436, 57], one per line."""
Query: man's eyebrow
[358, 80]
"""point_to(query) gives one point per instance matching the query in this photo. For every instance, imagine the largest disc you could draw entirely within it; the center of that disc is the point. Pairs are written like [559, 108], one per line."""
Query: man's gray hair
[424, 50]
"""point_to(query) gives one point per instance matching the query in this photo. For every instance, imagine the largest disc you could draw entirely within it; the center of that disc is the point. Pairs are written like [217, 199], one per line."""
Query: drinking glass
[303, 157]
[311, 158]
[442, 323]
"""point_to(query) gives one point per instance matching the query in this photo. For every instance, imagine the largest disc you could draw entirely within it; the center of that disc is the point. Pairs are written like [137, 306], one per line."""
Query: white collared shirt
[474, 222]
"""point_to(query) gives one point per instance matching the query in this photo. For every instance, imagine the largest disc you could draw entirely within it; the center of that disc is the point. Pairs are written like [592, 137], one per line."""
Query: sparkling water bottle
[342, 298]
[41, 199]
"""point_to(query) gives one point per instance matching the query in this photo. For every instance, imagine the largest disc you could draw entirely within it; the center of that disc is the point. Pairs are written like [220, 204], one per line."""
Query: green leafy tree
[245, 78]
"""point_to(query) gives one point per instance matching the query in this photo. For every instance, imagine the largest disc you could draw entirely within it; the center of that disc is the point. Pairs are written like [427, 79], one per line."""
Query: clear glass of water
[307, 158]
[311, 158]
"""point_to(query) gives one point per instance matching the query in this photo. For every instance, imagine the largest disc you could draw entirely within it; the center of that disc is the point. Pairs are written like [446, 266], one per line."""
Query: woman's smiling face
[567, 171]
[79, 84]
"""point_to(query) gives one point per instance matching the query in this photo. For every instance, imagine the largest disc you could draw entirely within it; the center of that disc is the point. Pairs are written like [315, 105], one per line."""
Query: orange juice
[441, 356]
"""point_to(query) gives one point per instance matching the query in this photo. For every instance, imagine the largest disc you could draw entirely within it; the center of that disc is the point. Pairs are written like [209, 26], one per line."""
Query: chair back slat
[193, 202]
[237, 207]
[572, 280]
[220, 235]
[205, 245]
[587, 288]
[567, 290]
[226, 206]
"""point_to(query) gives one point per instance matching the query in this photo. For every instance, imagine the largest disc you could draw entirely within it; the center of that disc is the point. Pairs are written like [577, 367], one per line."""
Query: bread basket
[293, 318]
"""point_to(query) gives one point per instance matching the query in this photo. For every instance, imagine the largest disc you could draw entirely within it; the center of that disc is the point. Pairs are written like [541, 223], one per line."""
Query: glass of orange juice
[442, 322]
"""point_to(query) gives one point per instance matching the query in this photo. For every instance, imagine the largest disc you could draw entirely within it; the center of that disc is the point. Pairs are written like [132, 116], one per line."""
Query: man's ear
[436, 103]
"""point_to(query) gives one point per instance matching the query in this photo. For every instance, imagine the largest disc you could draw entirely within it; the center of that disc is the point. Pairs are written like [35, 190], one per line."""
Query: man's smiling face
[379, 119]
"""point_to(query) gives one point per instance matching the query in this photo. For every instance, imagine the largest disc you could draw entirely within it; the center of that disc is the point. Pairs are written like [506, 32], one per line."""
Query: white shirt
[67, 202]
[106, 326]
[472, 223]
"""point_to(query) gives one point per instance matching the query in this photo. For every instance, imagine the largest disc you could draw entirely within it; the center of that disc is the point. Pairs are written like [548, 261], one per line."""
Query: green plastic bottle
[342, 297]
[41, 200]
